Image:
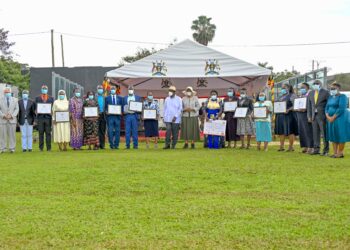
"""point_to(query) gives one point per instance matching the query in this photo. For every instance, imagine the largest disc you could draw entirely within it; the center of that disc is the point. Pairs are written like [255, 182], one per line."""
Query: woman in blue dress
[151, 125]
[213, 111]
[338, 131]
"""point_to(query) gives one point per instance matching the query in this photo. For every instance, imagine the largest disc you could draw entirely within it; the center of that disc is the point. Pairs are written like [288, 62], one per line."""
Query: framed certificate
[299, 103]
[149, 114]
[241, 112]
[114, 110]
[62, 116]
[230, 106]
[280, 107]
[216, 127]
[44, 108]
[90, 112]
[260, 112]
[135, 106]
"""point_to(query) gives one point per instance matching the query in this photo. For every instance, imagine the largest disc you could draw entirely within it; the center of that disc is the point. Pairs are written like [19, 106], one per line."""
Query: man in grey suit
[316, 105]
[8, 121]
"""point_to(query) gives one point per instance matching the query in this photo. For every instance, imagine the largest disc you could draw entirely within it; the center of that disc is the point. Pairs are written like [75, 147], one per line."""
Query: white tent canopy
[184, 64]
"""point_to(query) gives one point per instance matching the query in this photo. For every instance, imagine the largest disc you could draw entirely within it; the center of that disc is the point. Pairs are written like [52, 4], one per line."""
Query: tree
[279, 76]
[140, 53]
[265, 65]
[11, 72]
[5, 45]
[204, 31]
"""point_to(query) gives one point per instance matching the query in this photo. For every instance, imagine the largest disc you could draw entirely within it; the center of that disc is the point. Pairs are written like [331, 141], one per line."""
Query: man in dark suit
[316, 105]
[131, 120]
[44, 120]
[113, 120]
[26, 118]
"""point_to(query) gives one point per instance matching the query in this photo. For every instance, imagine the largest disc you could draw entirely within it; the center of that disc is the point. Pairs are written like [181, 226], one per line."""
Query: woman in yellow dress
[61, 130]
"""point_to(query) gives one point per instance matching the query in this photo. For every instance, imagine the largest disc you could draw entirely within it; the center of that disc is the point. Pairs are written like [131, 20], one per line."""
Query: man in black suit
[44, 120]
[26, 118]
[316, 105]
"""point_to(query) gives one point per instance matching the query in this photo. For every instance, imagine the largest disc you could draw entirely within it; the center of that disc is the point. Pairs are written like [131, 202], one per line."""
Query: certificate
[149, 114]
[260, 112]
[114, 110]
[62, 116]
[300, 103]
[241, 112]
[230, 106]
[90, 112]
[280, 107]
[216, 127]
[135, 106]
[44, 108]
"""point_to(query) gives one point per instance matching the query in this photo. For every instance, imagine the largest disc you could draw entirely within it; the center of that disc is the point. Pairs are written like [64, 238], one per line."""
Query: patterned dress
[151, 126]
[91, 127]
[76, 110]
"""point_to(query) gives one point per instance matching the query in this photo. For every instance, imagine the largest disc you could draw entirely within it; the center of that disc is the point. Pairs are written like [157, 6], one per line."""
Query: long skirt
[190, 129]
[245, 126]
[61, 132]
[263, 131]
[231, 127]
[151, 128]
[77, 133]
[286, 124]
[305, 131]
[91, 133]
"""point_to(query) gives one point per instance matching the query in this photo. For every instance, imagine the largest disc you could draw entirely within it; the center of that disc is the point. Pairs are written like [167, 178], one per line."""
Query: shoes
[12, 151]
[173, 147]
[280, 150]
[24, 150]
[315, 153]
[166, 147]
[185, 146]
[324, 154]
[192, 146]
[29, 150]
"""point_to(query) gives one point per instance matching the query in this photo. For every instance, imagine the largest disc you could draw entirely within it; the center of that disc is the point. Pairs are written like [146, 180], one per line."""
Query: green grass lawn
[176, 199]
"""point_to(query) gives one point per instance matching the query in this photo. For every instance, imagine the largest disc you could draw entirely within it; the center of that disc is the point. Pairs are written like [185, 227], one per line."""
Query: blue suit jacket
[108, 101]
[125, 100]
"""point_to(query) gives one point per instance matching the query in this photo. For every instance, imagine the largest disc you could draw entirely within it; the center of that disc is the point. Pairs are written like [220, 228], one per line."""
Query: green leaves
[204, 31]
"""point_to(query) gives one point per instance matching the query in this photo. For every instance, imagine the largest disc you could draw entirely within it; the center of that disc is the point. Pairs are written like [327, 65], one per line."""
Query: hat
[25, 92]
[190, 89]
[172, 88]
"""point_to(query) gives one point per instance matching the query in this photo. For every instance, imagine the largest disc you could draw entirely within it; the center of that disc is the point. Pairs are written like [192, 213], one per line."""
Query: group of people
[325, 116]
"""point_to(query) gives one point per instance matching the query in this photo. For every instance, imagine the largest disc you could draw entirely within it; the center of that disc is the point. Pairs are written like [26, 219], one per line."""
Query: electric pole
[62, 51]
[52, 50]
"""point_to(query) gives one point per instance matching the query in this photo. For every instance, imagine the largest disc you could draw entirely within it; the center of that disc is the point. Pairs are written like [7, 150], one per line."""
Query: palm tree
[204, 31]
[265, 65]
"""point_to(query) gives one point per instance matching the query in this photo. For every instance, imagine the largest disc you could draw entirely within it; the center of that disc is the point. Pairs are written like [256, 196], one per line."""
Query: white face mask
[170, 93]
[243, 95]
[188, 93]
[131, 92]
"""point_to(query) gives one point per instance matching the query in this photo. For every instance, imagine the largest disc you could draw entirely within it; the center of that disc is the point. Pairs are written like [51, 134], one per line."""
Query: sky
[240, 26]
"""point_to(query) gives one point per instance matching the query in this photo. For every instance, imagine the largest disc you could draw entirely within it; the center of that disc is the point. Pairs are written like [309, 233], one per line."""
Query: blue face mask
[78, 94]
[261, 98]
[25, 96]
[8, 95]
[316, 87]
[91, 97]
[113, 91]
[303, 91]
[230, 94]
[61, 97]
[150, 97]
[284, 91]
[333, 92]
[44, 91]
[100, 91]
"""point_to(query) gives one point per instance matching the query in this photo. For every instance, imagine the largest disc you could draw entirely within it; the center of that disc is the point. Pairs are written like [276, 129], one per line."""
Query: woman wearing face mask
[263, 125]
[76, 113]
[245, 126]
[91, 138]
[61, 130]
[304, 126]
[213, 111]
[286, 124]
[338, 122]
[189, 122]
[231, 121]
[151, 126]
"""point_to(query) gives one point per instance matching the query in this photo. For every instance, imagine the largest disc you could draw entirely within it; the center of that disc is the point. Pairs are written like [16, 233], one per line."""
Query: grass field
[177, 199]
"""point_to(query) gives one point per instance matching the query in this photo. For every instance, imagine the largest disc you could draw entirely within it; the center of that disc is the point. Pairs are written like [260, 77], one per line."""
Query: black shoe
[173, 147]
[166, 147]
[185, 146]
[29, 150]
[24, 150]
[127, 148]
[192, 146]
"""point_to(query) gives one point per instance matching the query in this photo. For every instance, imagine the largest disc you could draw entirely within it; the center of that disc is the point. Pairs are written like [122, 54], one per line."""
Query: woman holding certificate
[76, 113]
[213, 111]
[151, 125]
[61, 128]
[286, 123]
[338, 122]
[245, 126]
[263, 121]
[189, 122]
[231, 121]
[91, 137]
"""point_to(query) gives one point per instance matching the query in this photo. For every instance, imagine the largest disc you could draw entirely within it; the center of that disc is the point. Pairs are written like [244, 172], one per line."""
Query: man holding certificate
[131, 118]
[44, 117]
[112, 102]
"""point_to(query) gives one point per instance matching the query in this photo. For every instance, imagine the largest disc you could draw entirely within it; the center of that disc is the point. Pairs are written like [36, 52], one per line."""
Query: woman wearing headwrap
[61, 130]
[213, 111]
[76, 114]
[91, 138]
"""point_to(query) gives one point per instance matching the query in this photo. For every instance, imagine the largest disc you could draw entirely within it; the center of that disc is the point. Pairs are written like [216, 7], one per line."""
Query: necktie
[316, 96]
[8, 102]
[113, 100]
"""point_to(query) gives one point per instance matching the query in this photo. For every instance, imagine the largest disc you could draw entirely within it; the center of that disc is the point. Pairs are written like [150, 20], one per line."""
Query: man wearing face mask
[131, 119]
[44, 121]
[316, 105]
[172, 117]
[26, 117]
[8, 121]
[113, 121]
[101, 116]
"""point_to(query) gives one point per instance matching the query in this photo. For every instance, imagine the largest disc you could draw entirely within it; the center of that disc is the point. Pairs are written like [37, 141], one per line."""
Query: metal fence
[62, 83]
